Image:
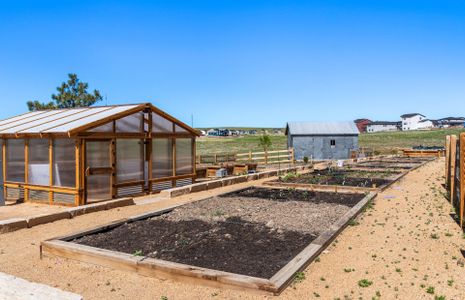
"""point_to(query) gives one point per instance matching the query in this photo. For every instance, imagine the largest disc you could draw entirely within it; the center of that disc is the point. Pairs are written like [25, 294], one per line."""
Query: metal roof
[411, 115]
[321, 128]
[69, 120]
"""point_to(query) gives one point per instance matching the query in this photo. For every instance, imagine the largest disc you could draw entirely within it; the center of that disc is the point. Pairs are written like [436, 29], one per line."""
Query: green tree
[72, 93]
[265, 142]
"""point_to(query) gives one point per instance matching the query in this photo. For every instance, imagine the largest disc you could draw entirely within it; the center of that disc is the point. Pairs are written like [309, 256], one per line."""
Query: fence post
[462, 176]
[250, 156]
[447, 160]
[453, 161]
[292, 155]
[266, 157]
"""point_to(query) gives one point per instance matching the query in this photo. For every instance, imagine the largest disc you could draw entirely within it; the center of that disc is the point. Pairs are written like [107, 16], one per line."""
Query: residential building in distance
[427, 124]
[411, 121]
[379, 126]
[362, 124]
[451, 122]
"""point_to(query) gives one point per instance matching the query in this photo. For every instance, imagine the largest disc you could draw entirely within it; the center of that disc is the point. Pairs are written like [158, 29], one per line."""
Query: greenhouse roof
[70, 121]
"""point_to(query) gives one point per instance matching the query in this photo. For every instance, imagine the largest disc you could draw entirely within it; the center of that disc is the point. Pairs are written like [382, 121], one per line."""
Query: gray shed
[322, 140]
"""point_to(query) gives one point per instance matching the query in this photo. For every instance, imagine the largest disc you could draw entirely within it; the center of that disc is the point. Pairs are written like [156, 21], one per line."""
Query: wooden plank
[462, 177]
[149, 145]
[26, 169]
[50, 169]
[322, 187]
[453, 154]
[173, 141]
[4, 166]
[447, 161]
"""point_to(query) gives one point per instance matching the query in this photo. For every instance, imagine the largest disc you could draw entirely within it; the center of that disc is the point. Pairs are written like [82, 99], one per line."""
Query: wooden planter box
[62, 247]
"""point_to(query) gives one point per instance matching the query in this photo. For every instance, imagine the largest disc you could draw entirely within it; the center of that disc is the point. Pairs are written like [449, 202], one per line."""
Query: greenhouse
[83, 155]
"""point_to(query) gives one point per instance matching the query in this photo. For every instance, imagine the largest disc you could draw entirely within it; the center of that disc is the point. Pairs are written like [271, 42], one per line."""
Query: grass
[386, 141]
[365, 283]
[383, 142]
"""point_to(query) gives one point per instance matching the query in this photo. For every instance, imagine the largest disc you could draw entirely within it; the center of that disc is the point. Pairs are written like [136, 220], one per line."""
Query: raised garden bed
[340, 179]
[255, 238]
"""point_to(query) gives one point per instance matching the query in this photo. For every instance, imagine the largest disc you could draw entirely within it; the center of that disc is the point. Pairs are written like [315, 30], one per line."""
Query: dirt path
[404, 245]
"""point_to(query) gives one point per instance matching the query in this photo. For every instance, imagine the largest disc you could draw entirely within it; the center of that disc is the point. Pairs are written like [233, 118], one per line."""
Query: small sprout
[430, 290]
[365, 283]
[299, 277]
[137, 253]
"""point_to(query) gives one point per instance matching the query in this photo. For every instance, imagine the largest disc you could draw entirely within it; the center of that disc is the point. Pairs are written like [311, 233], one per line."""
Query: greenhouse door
[98, 171]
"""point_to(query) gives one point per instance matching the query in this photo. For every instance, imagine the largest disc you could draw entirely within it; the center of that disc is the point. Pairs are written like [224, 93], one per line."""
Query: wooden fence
[455, 173]
[265, 157]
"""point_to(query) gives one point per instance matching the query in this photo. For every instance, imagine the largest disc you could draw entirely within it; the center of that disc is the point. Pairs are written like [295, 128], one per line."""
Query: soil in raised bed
[254, 232]
[338, 177]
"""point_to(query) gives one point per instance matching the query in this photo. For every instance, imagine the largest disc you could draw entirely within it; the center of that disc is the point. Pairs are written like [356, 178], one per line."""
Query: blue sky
[241, 63]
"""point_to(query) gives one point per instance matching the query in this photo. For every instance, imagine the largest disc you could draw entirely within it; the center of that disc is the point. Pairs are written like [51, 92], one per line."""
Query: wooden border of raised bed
[62, 247]
[343, 188]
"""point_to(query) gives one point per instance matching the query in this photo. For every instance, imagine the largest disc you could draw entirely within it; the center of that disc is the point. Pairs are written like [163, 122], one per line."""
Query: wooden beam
[4, 166]
[447, 161]
[26, 168]
[453, 161]
[50, 169]
[462, 177]
[107, 119]
[114, 167]
[173, 141]
[149, 150]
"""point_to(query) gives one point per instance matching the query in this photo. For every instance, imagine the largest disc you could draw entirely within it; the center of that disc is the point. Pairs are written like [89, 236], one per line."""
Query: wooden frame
[341, 188]
[62, 247]
[81, 135]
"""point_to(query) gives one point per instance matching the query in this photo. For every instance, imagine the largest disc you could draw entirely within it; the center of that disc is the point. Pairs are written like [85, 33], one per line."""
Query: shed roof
[73, 120]
[321, 128]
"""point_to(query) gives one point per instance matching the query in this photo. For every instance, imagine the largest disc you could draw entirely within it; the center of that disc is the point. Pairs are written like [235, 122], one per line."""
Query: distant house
[362, 124]
[212, 132]
[379, 126]
[322, 140]
[427, 124]
[451, 122]
[411, 121]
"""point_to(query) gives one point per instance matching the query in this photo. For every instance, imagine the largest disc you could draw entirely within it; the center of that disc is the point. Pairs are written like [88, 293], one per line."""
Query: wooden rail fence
[265, 157]
[455, 173]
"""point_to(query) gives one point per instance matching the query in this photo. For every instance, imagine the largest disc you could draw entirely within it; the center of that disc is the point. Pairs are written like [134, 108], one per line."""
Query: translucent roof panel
[65, 127]
[84, 112]
[34, 117]
[42, 121]
[20, 117]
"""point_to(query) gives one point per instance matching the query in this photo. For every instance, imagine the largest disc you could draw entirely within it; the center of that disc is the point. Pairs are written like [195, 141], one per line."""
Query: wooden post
[50, 164]
[114, 191]
[447, 161]
[292, 155]
[173, 182]
[250, 156]
[26, 168]
[77, 172]
[453, 161]
[462, 177]
[150, 152]
[194, 167]
[4, 167]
